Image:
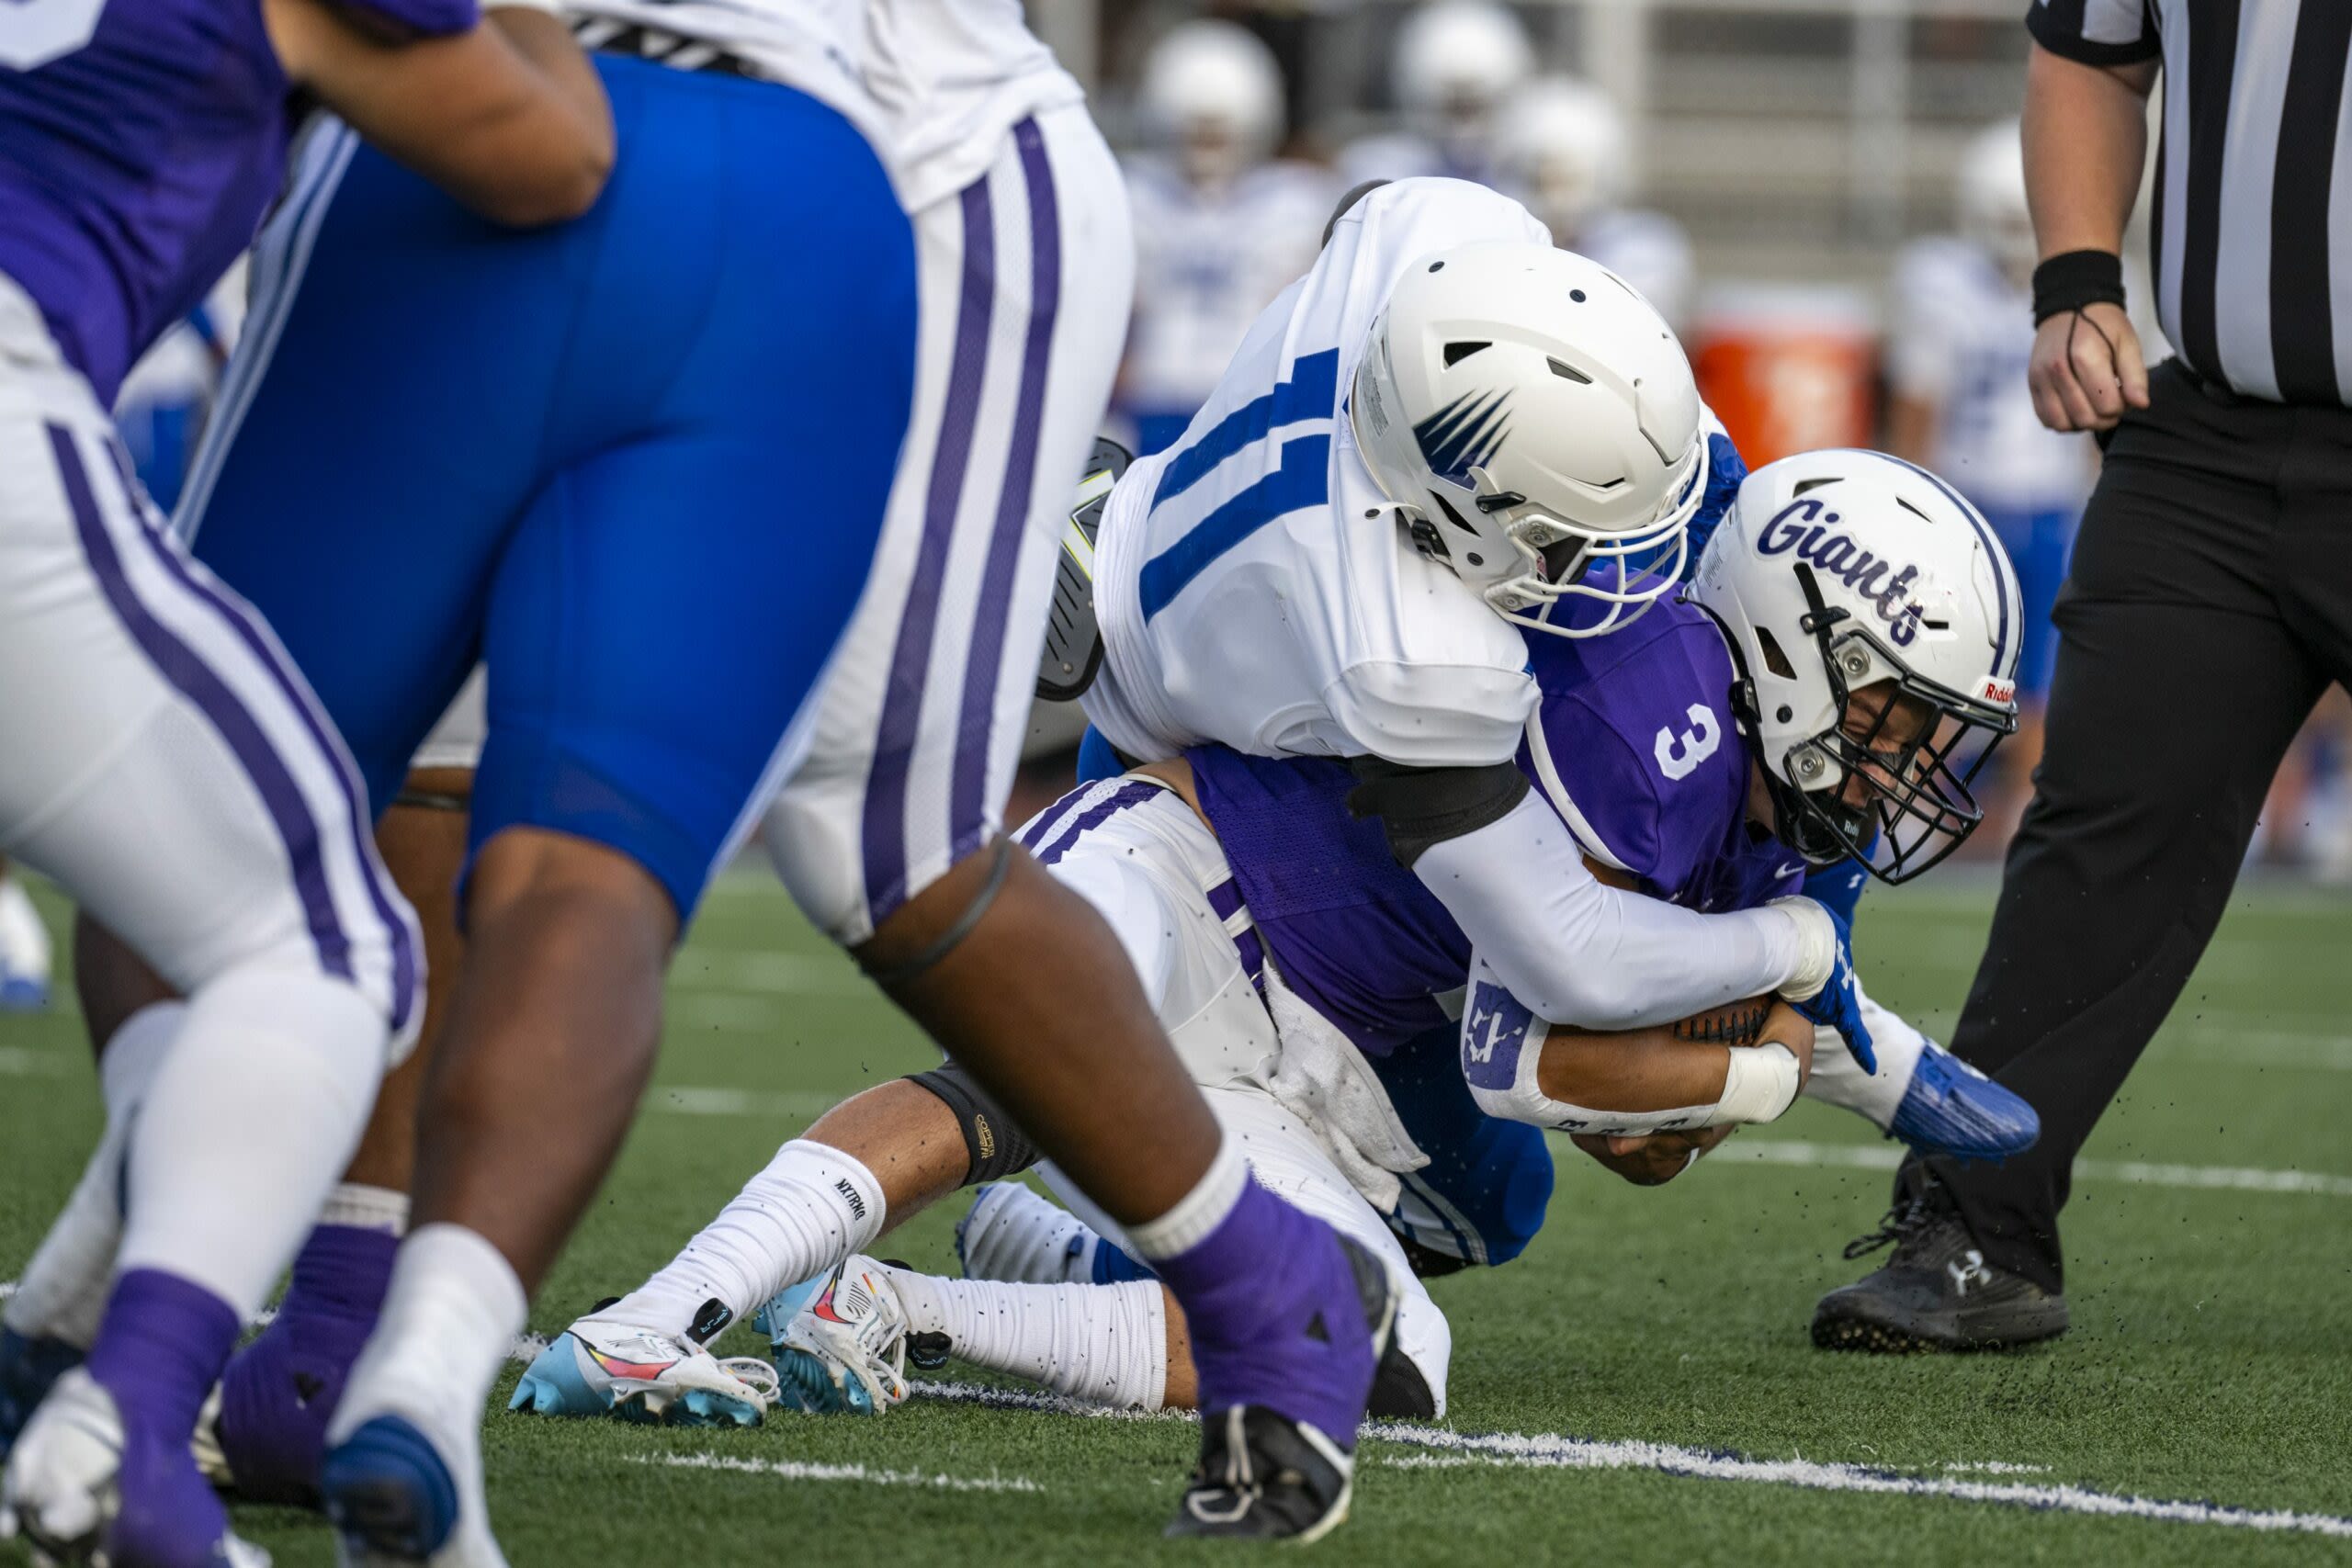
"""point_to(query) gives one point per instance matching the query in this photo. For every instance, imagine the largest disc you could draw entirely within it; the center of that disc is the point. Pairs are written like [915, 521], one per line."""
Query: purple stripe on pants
[1224, 898]
[885, 826]
[967, 806]
[1252, 953]
[1094, 816]
[266, 653]
[196, 680]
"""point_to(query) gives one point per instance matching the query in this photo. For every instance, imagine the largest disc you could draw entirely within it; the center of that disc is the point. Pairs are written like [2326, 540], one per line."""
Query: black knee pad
[995, 1147]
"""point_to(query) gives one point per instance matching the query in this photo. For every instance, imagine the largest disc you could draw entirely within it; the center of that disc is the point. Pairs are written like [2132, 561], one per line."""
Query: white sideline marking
[2138, 1173]
[796, 1470]
[692, 1099]
[1550, 1452]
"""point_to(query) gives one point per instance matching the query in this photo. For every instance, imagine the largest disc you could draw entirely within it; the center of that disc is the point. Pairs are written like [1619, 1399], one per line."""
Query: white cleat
[598, 1368]
[1013, 1235]
[845, 1352]
[64, 1486]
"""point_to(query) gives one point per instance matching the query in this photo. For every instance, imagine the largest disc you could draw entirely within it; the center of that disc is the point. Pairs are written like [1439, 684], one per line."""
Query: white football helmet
[1835, 571]
[1561, 148]
[1993, 211]
[1456, 62]
[1213, 92]
[1536, 424]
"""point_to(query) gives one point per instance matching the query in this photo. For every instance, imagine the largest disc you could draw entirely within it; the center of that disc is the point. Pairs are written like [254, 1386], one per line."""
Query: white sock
[1103, 1344]
[450, 1317]
[812, 1207]
[64, 1287]
[358, 1206]
[1029, 1241]
[253, 1114]
[1197, 1213]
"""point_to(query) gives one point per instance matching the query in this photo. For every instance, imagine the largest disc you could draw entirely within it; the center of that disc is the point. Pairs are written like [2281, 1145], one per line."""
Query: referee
[2209, 607]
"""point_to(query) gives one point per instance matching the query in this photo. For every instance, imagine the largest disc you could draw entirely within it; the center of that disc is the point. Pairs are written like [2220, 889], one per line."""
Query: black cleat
[1265, 1477]
[1936, 1292]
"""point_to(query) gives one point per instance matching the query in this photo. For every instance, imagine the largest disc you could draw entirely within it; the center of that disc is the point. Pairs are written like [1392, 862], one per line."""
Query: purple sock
[161, 1345]
[1252, 1292]
[282, 1389]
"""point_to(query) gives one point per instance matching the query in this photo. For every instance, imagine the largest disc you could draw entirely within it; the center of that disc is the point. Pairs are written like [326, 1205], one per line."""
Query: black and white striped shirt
[2252, 201]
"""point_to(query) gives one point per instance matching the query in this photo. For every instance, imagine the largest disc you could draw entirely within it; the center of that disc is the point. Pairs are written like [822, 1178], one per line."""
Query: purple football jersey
[1637, 734]
[1663, 791]
[136, 166]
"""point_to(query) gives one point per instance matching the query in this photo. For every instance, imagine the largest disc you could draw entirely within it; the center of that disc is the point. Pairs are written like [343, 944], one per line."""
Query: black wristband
[2069, 282]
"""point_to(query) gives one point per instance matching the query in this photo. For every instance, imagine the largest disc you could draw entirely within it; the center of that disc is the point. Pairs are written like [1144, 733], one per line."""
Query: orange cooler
[1787, 369]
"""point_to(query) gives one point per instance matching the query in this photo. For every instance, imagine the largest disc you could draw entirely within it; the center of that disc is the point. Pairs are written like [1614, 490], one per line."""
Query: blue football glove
[1839, 1005]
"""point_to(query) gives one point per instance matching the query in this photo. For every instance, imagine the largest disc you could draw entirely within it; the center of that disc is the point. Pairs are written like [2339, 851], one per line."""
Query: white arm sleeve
[1575, 950]
[1837, 1079]
[1502, 1054]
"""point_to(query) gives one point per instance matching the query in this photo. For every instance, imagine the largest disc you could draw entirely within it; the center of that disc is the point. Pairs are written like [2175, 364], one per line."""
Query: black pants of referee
[2209, 607]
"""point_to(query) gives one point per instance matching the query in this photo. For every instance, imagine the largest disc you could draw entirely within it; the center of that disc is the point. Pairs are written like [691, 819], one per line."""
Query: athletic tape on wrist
[1761, 1083]
[2076, 279]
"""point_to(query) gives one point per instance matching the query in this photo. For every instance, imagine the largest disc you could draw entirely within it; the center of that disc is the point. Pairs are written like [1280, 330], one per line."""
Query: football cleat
[29, 1365]
[82, 1490]
[1952, 1109]
[394, 1498]
[1263, 1476]
[845, 1351]
[1935, 1292]
[24, 950]
[600, 1368]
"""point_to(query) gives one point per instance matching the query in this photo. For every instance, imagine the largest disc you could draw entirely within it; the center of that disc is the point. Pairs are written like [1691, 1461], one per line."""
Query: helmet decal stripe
[1464, 435]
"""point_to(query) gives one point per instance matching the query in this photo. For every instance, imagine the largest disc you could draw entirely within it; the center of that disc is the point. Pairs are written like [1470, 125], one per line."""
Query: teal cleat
[598, 1368]
[844, 1351]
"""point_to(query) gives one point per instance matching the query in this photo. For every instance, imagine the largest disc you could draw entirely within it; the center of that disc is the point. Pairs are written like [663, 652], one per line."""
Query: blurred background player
[1960, 332]
[1561, 148]
[1453, 67]
[1221, 226]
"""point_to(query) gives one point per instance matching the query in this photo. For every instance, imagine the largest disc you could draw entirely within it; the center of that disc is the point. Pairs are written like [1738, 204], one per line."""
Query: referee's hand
[2086, 368]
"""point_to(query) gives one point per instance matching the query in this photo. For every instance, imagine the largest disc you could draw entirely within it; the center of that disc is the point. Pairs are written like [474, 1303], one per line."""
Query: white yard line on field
[799, 1470]
[1437, 1447]
[2138, 1173]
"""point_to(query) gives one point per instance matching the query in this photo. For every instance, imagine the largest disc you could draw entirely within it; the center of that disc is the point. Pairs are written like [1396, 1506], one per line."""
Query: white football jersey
[1206, 264]
[1960, 335]
[934, 84]
[1252, 583]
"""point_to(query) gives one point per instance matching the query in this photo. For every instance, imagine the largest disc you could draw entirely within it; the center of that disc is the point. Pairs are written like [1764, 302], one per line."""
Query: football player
[1221, 226]
[1452, 66]
[1958, 335]
[166, 763]
[1301, 973]
[1446, 434]
[1561, 148]
[604, 502]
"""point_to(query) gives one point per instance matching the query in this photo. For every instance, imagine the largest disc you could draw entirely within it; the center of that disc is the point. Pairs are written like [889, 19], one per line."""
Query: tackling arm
[1510, 872]
[1730, 1068]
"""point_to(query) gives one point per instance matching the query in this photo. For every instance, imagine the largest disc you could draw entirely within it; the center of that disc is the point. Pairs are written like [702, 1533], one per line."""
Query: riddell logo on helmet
[1803, 526]
[1999, 691]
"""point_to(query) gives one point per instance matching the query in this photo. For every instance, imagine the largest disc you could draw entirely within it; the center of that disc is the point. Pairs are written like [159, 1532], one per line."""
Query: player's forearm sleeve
[1838, 1080]
[1575, 952]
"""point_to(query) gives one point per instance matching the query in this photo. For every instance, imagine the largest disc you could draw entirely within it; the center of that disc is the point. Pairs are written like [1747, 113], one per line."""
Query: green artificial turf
[2211, 1358]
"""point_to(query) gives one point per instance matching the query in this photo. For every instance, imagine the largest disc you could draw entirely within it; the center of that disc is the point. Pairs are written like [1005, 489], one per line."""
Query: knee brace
[995, 1147]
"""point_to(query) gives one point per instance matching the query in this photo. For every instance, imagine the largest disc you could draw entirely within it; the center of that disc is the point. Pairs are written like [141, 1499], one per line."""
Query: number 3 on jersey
[1679, 756]
[34, 32]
